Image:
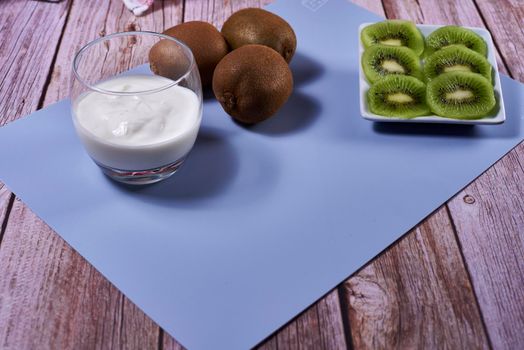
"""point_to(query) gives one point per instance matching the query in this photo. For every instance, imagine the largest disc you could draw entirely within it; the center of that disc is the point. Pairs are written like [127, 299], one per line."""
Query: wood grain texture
[216, 11]
[505, 19]
[168, 342]
[374, 6]
[489, 216]
[416, 295]
[106, 17]
[30, 34]
[51, 298]
[24, 69]
[317, 328]
[6, 198]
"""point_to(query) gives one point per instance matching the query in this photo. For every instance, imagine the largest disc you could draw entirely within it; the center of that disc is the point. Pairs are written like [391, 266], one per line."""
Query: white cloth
[138, 6]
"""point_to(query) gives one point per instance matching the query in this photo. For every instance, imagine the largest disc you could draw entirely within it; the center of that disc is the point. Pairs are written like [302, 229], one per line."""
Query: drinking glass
[137, 126]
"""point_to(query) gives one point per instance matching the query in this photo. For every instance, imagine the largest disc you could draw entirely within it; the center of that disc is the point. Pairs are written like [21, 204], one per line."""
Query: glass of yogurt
[138, 127]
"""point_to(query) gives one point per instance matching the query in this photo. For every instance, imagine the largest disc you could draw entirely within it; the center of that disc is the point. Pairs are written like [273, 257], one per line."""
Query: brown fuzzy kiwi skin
[167, 60]
[258, 26]
[252, 83]
[207, 44]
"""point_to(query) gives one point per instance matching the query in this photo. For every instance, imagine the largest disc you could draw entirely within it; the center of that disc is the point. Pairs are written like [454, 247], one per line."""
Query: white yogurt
[137, 132]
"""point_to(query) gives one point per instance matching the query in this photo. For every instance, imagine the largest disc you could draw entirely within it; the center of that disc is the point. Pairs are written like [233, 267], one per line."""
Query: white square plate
[496, 118]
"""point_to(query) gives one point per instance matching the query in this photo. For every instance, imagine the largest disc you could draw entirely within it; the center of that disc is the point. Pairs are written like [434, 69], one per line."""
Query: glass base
[142, 177]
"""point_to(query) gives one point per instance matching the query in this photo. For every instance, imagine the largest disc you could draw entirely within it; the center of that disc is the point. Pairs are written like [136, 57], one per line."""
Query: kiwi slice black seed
[460, 95]
[381, 60]
[394, 33]
[398, 96]
[456, 58]
[451, 35]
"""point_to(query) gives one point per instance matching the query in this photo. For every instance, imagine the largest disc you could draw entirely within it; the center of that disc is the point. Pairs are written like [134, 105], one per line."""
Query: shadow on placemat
[209, 169]
[305, 70]
[425, 129]
[299, 113]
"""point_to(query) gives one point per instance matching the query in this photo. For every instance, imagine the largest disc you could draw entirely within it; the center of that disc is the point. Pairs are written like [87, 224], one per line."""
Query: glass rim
[132, 93]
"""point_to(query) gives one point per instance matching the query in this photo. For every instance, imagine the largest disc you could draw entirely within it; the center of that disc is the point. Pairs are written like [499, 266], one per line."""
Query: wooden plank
[51, 298]
[417, 295]
[489, 216]
[435, 11]
[462, 12]
[6, 199]
[504, 19]
[330, 322]
[271, 344]
[30, 34]
[317, 328]
[71, 304]
[374, 6]
[106, 17]
[24, 70]
[169, 343]
[217, 12]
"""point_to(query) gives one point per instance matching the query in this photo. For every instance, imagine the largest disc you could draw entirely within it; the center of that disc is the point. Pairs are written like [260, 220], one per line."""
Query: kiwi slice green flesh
[456, 58]
[451, 35]
[394, 33]
[461, 95]
[398, 96]
[381, 60]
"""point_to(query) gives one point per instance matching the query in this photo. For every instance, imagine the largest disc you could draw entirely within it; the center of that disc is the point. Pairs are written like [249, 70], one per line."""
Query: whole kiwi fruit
[206, 43]
[166, 59]
[257, 26]
[252, 83]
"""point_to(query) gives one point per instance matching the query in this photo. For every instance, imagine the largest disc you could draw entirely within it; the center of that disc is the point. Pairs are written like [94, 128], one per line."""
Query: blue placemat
[262, 221]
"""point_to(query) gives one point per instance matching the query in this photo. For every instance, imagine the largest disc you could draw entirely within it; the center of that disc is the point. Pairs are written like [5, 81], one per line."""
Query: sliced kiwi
[398, 96]
[394, 33]
[460, 95]
[451, 35]
[456, 58]
[381, 60]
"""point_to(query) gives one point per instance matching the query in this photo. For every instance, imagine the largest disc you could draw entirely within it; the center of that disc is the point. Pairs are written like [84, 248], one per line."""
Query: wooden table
[455, 281]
